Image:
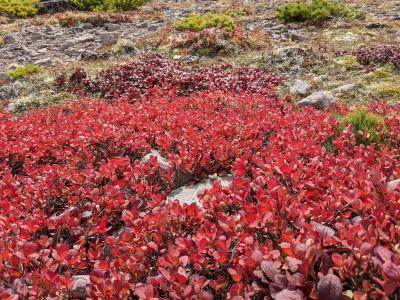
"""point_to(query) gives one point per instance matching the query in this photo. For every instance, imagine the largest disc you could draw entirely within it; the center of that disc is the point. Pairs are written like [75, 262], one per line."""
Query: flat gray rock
[318, 100]
[394, 185]
[300, 88]
[164, 163]
[188, 194]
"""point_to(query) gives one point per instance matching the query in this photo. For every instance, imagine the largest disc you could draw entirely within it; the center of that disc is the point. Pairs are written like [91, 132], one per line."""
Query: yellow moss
[347, 62]
[1, 41]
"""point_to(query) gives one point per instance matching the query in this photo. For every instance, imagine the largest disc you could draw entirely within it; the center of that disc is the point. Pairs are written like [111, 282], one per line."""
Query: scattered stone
[177, 57]
[112, 27]
[323, 229]
[4, 77]
[109, 38]
[295, 35]
[79, 287]
[88, 55]
[35, 36]
[394, 185]
[374, 25]
[300, 88]
[188, 194]
[9, 92]
[11, 107]
[87, 25]
[44, 62]
[318, 100]
[344, 88]
[164, 163]
[85, 38]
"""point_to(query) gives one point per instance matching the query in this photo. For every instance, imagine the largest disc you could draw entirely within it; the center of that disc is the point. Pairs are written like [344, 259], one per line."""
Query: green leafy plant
[107, 5]
[1, 41]
[315, 10]
[196, 22]
[367, 127]
[19, 8]
[24, 71]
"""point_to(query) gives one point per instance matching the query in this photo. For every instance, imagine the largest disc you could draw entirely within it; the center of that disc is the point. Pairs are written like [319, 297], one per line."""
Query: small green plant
[315, 10]
[24, 71]
[367, 127]
[19, 8]
[1, 41]
[196, 22]
[107, 5]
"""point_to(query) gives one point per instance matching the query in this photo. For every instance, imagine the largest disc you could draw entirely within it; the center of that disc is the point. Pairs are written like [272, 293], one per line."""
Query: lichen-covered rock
[318, 100]
[300, 88]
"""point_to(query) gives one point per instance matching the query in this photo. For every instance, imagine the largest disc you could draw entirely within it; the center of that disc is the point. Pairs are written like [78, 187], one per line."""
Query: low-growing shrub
[135, 79]
[107, 5]
[315, 10]
[196, 22]
[95, 18]
[83, 216]
[378, 55]
[19, 8]
[214, 41]
[24, 71]
[367, 127]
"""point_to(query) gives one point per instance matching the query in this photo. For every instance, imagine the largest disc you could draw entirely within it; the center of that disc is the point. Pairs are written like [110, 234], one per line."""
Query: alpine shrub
[19, 8]
[107, 5]
[367, 127]
[24, 71]
[378, 55]
[196, 22]
[314, 11]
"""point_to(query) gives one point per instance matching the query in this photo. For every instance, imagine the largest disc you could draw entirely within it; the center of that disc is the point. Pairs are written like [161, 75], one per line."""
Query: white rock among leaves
[189, 194]
[318, 100]
[79, 287]
[300, 88]
[394, 185]
[164, 163]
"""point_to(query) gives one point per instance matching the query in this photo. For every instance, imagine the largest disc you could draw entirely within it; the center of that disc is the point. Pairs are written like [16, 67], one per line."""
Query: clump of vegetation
[315, 10]
[196, 22]
[1, 41]
[378, 55]
[96, 19]
[19, 8]
[367, 127]
[24, 71]
[107, 5]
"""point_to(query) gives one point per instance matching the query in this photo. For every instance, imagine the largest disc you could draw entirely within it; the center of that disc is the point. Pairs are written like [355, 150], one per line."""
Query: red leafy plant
[78, 203]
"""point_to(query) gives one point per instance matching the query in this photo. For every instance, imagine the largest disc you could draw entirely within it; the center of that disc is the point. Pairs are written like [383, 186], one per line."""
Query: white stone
[188, 194]
[318, 100]
[300, 88]
[164, 163]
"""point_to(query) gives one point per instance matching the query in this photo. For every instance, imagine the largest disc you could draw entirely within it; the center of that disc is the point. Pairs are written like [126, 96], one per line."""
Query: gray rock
[394, 185]
[79, 287]
[295, 35]
[35, 36]
[87, 25]
[164, 163]
[4, 77]
[44, 62]
[11, 107]
[318, 100]
[112, 27]
[88, 55]
[344, 88]
[300, 88]
[85, 38]
[109, 38]
[188, 194]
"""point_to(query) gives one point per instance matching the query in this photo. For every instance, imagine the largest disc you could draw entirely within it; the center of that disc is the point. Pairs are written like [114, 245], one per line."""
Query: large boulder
[318, 100]
[300, 88]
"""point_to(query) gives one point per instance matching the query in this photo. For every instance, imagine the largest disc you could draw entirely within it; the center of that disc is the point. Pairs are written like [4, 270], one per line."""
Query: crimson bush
[297, 221]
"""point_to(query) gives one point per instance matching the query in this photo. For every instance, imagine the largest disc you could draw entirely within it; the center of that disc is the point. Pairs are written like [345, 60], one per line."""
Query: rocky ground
[306, 55]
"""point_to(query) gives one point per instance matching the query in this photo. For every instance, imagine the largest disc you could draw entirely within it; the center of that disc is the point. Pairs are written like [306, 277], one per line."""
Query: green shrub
[19, 8]
[1, 41]
[24, 71]
[315, 10]
[363, 121]
[195, 22]
[107, 5]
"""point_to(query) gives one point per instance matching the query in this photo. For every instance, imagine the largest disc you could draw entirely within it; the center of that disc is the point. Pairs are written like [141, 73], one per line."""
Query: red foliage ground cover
[297, 222]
